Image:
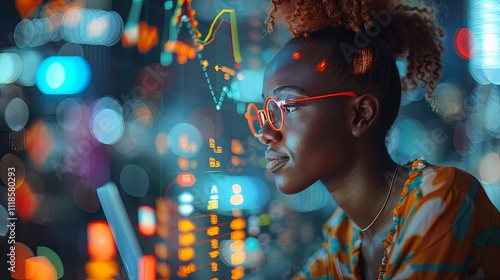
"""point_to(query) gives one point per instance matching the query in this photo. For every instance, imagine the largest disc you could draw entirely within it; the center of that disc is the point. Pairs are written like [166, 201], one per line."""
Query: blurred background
[125, 153]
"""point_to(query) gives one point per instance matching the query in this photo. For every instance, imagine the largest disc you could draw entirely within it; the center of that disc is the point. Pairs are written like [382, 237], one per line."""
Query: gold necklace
[385, 202]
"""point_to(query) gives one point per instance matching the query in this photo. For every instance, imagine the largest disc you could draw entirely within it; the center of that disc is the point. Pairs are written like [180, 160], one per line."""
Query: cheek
[321, 140]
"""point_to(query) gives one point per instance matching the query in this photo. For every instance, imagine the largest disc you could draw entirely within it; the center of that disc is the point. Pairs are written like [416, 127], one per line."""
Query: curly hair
[410, 31]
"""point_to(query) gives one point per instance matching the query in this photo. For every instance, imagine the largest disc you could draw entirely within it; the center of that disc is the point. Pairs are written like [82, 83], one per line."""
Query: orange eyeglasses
[274, 112]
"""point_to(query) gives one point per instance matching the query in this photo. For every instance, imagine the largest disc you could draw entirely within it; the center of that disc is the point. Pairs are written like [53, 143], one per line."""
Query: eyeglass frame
[263, 115]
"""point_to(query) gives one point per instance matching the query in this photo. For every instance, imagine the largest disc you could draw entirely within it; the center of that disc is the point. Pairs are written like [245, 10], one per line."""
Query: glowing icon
[214, 193]
[213, 254]
[226, 70]
[213, 162]
[214, 243]
[213, 203]
[183, 50]
[215, 266]
[185, 270]
[237, 272]
[211, 144]
[185, 179]
[214, 219]
[236, 198]
[212, 231]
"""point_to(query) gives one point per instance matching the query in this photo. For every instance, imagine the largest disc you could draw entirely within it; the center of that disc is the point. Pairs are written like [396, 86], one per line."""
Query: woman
[332, 93]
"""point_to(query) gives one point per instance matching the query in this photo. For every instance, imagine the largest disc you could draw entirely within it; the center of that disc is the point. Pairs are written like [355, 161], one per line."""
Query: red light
[147, 268]
[185, 179]
[463, 43]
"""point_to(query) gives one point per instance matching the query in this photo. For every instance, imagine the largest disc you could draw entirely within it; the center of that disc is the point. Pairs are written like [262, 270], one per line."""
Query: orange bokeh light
[101, 244]
[187, 239]
[40, 268]
[238, 224]
[186, 254]
[22, 253]
[147, 268]
[26, 7]
[101, 270]
[185, 225]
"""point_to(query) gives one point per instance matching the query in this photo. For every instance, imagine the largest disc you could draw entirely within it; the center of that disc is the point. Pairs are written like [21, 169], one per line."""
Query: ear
[364, 112]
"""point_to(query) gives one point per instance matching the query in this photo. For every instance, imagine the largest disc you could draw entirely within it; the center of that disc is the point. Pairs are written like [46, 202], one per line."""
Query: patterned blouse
[445, 227]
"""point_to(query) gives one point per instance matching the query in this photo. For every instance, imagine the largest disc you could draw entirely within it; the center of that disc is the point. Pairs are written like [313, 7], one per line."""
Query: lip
[275, 161]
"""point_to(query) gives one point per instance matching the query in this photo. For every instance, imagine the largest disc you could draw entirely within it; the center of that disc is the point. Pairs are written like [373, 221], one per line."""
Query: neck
[362, 193]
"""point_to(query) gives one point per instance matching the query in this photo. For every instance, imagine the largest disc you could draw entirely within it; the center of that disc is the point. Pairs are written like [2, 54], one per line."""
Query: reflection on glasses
[274, 112]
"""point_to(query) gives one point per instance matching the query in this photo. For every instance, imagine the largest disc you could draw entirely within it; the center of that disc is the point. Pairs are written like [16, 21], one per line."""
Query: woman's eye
[289, 108]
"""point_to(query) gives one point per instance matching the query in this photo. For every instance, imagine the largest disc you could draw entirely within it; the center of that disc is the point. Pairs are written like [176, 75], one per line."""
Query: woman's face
[315, 142]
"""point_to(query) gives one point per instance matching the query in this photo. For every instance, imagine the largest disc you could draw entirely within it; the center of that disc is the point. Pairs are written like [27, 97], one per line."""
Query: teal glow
[63, 75]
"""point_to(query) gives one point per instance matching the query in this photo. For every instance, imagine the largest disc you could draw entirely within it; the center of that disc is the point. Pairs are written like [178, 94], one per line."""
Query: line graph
[184, 15]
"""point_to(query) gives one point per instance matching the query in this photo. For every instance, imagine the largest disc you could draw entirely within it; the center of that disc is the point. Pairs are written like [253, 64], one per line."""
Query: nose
[266, 134]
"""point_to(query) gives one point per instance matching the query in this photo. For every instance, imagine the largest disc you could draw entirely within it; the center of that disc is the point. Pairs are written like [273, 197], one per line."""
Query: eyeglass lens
[275, 114]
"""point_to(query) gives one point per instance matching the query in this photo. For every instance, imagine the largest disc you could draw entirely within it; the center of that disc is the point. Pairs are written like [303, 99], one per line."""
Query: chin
[288, 188]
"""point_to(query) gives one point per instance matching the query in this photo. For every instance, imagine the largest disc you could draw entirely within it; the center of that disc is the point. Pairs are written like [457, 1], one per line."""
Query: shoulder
[444, 198]
[428, 180]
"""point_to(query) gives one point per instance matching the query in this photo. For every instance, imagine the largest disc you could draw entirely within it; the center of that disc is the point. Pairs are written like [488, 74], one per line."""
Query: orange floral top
[445, 227]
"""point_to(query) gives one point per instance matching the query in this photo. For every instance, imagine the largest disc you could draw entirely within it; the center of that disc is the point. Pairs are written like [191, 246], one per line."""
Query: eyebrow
[278, 90]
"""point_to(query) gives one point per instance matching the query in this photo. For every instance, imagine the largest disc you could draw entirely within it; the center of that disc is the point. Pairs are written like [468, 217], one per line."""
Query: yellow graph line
[176, 19]
[234, 32]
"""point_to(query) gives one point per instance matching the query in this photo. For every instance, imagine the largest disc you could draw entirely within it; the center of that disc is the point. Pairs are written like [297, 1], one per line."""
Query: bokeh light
[39, 142]
[101, 270]
[31, 59]
[463, 43]
[161, 143]
[24, 33]
[244, 90]
[63, 75]
[11, 67]
[26, 202]
[94, 27]
[147, 267]
[147, 220]
[3, 221]
[22, 253]
[69, 114]
[185, 179]
[107, 124]
[484, 23]
[134, 180]
[17, 114]
[449, 99]
[185, 140]
[12, 161]
[40, 268]
[100, 241]
[489, 169]
[54, 259]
